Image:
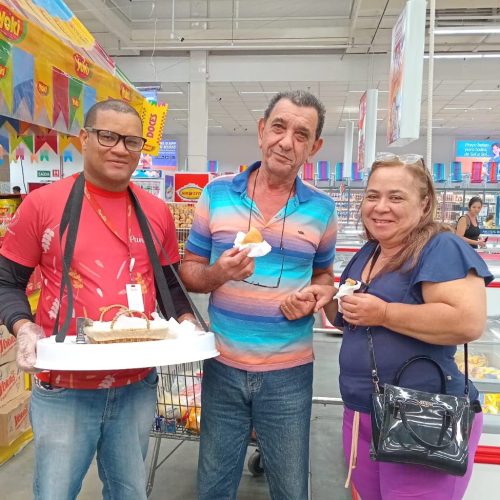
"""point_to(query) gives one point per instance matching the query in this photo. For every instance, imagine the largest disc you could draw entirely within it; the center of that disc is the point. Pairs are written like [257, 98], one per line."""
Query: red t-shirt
[100, 268]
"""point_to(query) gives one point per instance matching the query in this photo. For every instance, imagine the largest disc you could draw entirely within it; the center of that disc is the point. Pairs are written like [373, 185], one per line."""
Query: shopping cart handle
[327, 401]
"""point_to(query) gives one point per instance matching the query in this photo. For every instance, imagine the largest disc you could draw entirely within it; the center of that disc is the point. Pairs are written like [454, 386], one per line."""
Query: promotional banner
[6, 84]
[470, 151]
[367, 129]
[65, 141]
[43, 92]
[188, 186]
[153, 120]
[75, 104]
[23, 75]
[52, 70]
[213, 166]
[167, 154]
[405, 80]
[323, 170]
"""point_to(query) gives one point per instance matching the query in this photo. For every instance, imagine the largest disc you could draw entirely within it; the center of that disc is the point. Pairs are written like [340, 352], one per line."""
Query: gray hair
[300, 98]
[109, 105]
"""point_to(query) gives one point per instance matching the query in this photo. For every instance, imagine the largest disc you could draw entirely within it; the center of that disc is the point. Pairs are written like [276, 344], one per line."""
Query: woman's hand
[323, 294]
[364, 309]
[481, 243]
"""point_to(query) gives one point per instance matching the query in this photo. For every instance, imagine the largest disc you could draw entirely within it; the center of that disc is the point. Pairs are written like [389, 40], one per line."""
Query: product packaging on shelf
[7, 345]
[14, 419]
[12, 382]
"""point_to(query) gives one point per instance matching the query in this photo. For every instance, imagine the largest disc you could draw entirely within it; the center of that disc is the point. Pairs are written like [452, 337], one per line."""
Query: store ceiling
[346, 27]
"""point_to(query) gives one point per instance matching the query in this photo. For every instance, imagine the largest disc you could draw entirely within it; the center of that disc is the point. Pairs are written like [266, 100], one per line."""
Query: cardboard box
[7, 345]
[14, 419]
[11, 382]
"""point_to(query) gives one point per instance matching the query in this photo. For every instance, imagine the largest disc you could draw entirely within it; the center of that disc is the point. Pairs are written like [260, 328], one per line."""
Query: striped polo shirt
[251, 332]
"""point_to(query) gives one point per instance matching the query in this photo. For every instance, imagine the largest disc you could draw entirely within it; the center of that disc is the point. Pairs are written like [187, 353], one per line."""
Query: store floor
[176, 478]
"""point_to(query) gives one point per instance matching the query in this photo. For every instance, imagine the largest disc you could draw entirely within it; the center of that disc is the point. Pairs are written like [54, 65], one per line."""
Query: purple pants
[390, 481]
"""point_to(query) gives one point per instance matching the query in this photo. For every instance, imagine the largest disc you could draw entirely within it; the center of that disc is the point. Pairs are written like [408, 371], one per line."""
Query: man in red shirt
[78, 414]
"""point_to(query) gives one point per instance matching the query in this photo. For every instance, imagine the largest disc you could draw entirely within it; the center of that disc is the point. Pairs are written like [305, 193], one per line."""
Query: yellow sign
[190, 192]
[153, 119]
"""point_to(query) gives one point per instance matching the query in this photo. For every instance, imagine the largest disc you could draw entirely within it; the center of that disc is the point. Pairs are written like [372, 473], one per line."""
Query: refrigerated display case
[150, 180]
[452, 202]
[484, 368]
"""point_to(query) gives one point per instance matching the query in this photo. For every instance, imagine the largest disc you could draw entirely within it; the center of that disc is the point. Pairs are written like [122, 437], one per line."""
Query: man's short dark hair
[300, 98]
[109, 105]
[16, 189]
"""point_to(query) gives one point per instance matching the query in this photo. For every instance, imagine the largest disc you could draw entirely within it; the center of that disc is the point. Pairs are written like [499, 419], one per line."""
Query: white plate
[70, 356]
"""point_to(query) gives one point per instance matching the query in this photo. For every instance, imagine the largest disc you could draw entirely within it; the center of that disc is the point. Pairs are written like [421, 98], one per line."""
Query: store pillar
[196, 160]
[348, 141]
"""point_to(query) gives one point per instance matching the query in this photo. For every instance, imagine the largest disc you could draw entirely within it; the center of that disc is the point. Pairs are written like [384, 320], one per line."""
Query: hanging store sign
[367, 129]
[405, 80]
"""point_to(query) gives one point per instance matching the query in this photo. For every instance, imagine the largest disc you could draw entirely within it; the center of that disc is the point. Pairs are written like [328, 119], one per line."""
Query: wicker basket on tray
[125, 327]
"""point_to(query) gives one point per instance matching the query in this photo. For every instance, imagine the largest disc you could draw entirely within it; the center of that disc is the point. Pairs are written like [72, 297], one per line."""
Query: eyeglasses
[282, 250]
[110, 139]
[406, 159]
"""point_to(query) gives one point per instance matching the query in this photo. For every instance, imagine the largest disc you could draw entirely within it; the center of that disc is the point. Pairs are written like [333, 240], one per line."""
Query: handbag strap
[449, 419]
[376, 379]
[413, 360]
[70, 221]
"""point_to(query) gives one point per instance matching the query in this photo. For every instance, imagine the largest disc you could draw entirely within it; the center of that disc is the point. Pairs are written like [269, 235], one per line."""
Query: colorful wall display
[469, 151]
[52, 70]
[405, 80]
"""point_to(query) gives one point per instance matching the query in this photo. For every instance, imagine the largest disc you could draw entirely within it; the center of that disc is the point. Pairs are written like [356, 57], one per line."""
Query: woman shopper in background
[468, 226]
[489, 222]
[424, 295]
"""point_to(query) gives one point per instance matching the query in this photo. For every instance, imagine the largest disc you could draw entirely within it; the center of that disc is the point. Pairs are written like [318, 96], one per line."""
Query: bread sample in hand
[347, 288]
[253, 236]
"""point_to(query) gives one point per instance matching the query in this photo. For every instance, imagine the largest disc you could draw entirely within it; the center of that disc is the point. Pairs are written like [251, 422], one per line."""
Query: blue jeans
[71, 425]
[277, 404]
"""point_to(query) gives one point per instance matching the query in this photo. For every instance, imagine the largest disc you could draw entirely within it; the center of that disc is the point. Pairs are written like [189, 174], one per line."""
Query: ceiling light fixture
[171, 92]
[245, 92]
[467, 30]
[456, 55]
[481, 90]
[469, 109]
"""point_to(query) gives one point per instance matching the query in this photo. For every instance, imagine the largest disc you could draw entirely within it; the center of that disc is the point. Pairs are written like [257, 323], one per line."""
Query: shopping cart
[178, 408]
[178, 416]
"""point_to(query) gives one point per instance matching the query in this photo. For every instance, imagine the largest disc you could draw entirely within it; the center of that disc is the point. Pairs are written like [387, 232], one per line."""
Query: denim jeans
[277, 404]
[71, 425]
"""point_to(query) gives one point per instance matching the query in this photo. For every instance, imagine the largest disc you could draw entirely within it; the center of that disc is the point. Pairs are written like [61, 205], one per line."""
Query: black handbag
[421, 428]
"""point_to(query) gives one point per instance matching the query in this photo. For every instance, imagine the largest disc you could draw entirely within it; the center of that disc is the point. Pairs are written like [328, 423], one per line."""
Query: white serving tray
[70, 356]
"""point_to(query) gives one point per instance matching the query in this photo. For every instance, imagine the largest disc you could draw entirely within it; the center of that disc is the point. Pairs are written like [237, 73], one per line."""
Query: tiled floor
[176, 478]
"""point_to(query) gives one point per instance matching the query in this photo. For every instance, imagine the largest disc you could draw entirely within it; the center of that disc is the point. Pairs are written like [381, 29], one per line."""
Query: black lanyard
[70, 221]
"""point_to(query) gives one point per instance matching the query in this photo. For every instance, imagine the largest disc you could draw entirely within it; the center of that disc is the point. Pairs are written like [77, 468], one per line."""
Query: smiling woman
[424, 293]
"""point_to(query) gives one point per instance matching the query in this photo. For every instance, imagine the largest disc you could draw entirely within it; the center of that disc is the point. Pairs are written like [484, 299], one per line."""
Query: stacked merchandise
[15, 429]
[183, 217]
[8, 206]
